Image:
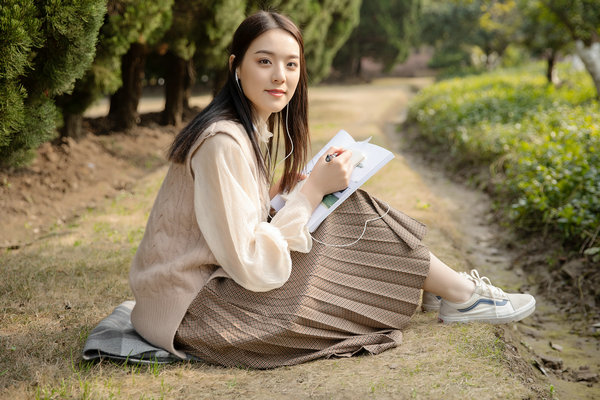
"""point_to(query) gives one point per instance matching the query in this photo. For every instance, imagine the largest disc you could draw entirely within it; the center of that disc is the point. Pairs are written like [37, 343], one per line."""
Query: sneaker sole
[524, 313]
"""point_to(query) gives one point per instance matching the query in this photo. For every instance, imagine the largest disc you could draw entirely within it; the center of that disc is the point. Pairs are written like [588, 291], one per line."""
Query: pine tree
[155, 17]
[200, 33]
[44, 47]
[127, 22]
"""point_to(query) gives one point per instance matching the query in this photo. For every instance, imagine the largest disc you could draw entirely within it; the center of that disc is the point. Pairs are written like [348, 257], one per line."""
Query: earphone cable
[360, 237]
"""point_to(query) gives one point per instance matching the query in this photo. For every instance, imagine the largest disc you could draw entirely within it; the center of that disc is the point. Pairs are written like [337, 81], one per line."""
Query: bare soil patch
[69, 176]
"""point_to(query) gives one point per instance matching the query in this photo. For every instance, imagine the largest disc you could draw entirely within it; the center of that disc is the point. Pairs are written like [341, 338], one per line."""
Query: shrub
[546, 139]
[44, 47]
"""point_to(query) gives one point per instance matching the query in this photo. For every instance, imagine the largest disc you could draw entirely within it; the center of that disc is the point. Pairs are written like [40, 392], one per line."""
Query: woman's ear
[231, 58]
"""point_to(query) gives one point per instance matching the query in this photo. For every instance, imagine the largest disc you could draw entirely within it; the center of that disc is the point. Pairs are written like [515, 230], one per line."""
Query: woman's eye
[264, 61]
[292, 65]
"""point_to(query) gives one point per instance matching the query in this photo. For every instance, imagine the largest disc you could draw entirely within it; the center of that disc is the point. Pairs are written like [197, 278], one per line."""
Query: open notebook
[368, 158]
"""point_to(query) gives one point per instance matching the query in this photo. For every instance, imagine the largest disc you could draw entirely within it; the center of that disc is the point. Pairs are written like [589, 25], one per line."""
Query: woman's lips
[276, 92]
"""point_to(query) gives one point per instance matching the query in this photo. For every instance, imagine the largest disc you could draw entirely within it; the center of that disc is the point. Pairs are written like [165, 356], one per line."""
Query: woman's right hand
[328, 177]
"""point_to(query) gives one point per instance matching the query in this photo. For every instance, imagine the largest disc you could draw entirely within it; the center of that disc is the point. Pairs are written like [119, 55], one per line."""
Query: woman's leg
[445, 282]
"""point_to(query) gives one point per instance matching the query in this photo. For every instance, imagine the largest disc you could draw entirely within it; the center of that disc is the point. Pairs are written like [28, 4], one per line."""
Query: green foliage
[71, 28]
[515, 56]
[542, 140]
[44, 47]
[214, 36]
[126, 22]
[203, 29]
[476, 33]
[19, 36]
[498, 24]
[386, 32]
[580, 17]
[452, 28]
[555, 177]
[540, 31]
[326, 26]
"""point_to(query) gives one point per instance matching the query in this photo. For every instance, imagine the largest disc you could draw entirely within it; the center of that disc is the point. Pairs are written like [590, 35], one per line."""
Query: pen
[330, 157]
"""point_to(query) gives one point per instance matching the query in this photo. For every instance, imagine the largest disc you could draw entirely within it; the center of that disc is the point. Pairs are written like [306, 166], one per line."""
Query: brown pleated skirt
[337, 302]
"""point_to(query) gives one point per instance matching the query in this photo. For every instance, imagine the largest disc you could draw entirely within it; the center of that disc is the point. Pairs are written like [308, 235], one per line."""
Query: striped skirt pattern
[338, 301]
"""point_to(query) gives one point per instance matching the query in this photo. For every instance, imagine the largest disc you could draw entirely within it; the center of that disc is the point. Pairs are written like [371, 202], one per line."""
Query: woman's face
[270, 71]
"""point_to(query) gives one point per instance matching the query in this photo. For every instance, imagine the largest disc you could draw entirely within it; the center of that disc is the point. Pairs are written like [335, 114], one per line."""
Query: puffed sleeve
[253, 252]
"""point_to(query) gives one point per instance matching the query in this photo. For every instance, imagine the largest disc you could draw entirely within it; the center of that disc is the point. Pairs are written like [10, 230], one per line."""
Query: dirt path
[56, 289]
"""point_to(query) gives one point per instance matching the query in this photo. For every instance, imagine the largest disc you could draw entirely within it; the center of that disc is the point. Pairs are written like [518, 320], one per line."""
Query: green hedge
[541, 142]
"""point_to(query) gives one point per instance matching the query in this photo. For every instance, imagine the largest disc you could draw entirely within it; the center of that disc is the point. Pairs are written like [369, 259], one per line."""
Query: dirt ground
[68, 177]
[71, 191]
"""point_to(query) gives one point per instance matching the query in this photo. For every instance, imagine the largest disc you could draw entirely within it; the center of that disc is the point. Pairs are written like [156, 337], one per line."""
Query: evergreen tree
[200, 34]
[127, 22]
[386, 32]
[156, 19]
[44, 47]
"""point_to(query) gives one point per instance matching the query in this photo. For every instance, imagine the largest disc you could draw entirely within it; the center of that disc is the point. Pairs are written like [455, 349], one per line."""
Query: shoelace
[486, 285]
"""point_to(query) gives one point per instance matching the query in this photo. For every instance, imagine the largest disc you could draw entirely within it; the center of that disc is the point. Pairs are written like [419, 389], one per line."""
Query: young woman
[216, 277]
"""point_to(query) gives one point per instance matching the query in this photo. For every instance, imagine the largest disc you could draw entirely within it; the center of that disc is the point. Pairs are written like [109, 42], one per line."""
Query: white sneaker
[488, 304]
[431, 302]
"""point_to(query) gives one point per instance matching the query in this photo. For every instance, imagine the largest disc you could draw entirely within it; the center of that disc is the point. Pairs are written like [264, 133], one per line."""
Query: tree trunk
[124, 102]
[590, 55]
[550, 66]
[72, 126]
[357, 66]
[188, 83]
[174, 89]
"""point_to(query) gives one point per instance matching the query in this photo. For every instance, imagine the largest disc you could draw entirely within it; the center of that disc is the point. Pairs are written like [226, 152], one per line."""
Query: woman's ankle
[461, 294]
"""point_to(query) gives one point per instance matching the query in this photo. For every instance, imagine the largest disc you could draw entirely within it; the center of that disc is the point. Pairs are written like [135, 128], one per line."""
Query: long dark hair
[231, 104]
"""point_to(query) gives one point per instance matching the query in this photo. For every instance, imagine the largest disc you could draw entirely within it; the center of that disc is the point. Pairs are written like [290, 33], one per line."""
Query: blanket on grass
[115, 339]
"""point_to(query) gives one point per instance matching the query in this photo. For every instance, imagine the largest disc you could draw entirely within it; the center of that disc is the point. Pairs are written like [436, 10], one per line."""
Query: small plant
[231, 383]
[154, 368]
[375, 386]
